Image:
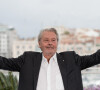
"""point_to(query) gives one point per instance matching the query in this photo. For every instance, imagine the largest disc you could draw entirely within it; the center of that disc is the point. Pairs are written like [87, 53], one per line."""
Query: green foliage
[66, 33]
[8, 82]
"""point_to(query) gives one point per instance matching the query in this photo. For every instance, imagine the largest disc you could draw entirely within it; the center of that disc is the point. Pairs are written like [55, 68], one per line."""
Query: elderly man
[50, 70]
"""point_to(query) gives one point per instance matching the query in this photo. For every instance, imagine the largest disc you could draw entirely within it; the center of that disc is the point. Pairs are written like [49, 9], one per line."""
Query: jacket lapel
[63, 69]
[37, 64]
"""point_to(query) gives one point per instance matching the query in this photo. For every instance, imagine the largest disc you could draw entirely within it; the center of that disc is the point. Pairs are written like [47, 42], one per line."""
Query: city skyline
[28, 17]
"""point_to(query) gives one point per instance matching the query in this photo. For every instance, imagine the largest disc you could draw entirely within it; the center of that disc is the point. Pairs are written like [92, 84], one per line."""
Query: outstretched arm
[12, 64]
[88, 60]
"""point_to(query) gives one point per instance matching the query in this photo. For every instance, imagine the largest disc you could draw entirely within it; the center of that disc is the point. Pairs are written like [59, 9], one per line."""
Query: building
[22, 45]
[7, 36]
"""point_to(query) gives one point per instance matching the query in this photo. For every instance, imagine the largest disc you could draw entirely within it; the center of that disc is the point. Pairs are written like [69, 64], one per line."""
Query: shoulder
[31, 53]
[67, 52]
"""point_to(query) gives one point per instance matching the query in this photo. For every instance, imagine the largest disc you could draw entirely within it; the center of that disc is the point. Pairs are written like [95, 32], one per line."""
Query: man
[50, 70]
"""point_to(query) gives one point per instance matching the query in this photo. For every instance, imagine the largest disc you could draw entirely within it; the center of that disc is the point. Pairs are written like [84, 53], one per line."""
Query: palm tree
[8, 82]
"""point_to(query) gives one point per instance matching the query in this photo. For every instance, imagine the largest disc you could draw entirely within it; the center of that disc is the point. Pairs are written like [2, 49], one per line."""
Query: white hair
[48, 30]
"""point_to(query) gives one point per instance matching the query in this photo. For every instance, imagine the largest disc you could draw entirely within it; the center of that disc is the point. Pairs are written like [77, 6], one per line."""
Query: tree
[66, 33]
[8, 82]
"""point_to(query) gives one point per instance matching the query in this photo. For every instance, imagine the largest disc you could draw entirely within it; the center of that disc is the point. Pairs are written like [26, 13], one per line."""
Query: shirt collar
[54, 57]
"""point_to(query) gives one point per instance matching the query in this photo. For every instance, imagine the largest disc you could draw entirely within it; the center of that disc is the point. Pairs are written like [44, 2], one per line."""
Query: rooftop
[5, 28]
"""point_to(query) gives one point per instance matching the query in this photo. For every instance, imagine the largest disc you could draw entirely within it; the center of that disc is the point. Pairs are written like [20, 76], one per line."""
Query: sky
[28, 17]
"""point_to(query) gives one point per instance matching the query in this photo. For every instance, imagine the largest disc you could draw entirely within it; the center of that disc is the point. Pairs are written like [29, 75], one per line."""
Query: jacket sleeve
[12, 64]
[87, 60]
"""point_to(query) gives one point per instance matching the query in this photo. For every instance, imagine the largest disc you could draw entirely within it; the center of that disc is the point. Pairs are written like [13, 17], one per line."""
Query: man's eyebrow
[53, 38]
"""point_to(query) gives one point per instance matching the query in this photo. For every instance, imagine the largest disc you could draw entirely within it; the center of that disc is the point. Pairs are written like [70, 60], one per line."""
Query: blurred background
[77, 22]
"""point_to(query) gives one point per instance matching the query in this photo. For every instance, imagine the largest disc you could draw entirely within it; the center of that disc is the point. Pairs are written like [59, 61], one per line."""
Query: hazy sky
[30, 16]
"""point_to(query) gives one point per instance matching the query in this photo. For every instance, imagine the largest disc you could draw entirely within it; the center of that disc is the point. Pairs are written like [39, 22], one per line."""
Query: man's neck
[48, 56]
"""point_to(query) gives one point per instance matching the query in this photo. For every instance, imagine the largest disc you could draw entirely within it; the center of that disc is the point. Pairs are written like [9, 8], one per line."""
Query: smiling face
[48, 43]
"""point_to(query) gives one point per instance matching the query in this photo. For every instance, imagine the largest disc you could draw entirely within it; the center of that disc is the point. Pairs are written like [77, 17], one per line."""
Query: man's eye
[53, 40]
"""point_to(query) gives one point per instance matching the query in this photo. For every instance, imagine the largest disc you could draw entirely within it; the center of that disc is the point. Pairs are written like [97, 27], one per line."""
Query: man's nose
[50, 42]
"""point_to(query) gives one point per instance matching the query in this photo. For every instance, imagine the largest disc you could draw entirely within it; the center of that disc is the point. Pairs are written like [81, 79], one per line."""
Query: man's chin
[50, 53]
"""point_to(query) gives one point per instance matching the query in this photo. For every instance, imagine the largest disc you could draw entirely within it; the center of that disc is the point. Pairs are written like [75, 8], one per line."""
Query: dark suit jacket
[70, 64]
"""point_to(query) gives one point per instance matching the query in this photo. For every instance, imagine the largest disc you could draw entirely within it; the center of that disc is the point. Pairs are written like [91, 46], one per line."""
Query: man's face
[48, 43]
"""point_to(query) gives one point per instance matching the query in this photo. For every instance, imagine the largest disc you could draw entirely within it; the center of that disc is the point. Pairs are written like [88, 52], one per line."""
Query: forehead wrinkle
[49, 38]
